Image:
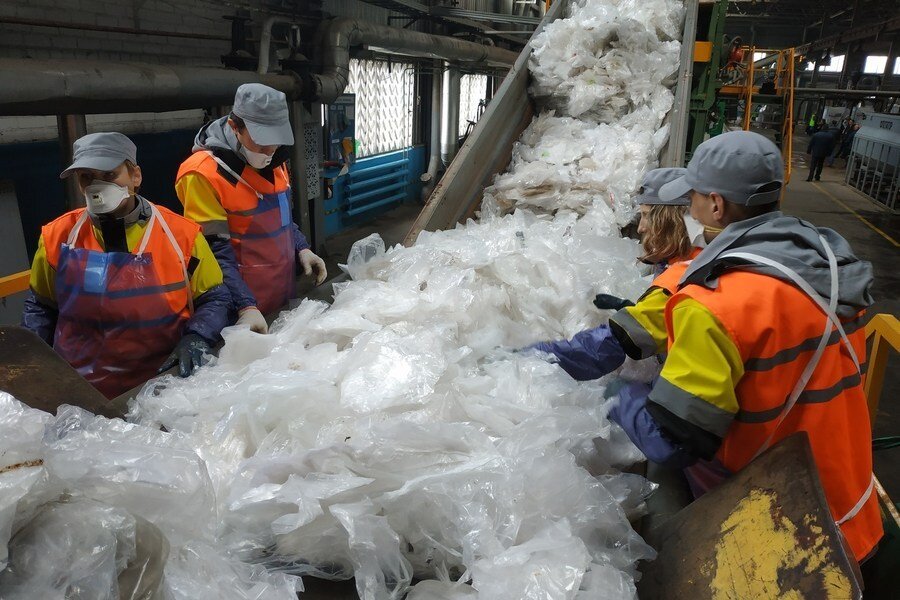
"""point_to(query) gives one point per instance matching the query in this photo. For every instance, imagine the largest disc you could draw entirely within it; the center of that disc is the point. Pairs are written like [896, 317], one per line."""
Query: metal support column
[674, 154]
[70, 128]
[309, 211]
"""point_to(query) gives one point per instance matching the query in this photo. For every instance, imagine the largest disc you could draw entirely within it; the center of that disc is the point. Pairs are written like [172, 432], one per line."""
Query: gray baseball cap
[654, 180]
[744, 167]
[101, 152]
[265, 112]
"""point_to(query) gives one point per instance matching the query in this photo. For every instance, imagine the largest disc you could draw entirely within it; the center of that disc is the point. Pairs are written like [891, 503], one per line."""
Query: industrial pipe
[450, 115]
[429, 177]
[48, 87]
[265, 41]
[339, 35]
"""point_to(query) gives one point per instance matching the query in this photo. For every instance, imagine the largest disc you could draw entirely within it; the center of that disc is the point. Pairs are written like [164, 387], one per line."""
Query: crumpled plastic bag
[146, 472]
[74, 549]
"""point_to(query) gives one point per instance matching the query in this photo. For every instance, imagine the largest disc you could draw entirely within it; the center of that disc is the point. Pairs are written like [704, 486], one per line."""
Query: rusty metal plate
[767, 532]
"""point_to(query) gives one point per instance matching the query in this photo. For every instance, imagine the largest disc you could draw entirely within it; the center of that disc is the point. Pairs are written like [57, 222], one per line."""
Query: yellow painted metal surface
[13, 284]
[884, 329]
[758, 546]
[702, 51]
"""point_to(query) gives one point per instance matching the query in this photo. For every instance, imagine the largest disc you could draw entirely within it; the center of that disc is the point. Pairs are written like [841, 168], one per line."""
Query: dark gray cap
[265, 112]
[657, 178]
[101, 152]
[743, 167]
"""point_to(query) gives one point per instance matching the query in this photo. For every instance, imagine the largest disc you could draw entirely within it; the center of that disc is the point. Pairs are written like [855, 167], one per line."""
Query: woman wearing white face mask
[670, 238]
[118, 286]
[237, 187]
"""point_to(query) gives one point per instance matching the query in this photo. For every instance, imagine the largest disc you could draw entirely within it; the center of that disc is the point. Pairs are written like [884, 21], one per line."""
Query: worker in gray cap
[119, 286]
[748, 362]
[236, 186]
[636, 329]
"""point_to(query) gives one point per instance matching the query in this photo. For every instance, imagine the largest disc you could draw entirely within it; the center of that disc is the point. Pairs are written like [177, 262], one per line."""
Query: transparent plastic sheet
[72, 549]
[146, 472]
[199, 571]
[21, 461]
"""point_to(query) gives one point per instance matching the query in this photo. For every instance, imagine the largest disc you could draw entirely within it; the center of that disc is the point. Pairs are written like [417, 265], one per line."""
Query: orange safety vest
[668, 279]
[776, 328]
[260, 225]
[120, 314]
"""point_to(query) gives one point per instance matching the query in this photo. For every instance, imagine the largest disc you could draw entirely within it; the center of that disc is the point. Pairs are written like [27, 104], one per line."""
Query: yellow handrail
[15, 283]
[885, 331]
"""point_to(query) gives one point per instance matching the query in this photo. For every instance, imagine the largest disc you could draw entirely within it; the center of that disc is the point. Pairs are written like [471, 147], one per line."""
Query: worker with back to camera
[236, 186]
[671, 238]
[121, 285]
[748, 362]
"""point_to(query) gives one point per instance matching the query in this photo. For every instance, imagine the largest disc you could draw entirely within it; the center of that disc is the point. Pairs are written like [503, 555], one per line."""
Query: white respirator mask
[694, 231]
[104, 197]
[257, 160]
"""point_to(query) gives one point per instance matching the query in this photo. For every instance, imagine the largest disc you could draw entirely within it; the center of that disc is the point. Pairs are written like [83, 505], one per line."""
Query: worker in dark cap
[237, 187]
[119, 286]
[671, 238]
[764, 340]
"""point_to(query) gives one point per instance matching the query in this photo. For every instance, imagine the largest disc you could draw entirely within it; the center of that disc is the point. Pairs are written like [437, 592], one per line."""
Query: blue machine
[371, 186]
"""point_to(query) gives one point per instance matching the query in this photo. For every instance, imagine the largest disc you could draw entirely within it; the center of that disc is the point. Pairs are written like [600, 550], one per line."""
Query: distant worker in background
[811, 126]
[748, 361]
[671, 238]
[236, 186]
[820, 147]
[846, 145]
[121, 285]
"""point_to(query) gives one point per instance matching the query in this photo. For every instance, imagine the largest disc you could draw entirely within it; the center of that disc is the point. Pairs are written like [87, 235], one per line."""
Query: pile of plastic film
[396, 436]
[603, 78]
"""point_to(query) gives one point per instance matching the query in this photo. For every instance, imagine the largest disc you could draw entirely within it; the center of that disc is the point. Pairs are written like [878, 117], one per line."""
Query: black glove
[188, 355]
[608, 302]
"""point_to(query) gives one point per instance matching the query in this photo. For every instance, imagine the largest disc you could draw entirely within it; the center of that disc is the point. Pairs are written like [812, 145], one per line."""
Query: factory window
[836, 65]
[759, 56]
[472, 91]
[875, 64]
[897, 67]
[384, 105]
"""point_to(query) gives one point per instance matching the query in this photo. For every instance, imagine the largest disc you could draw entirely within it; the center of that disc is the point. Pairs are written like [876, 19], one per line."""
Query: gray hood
[795, 244]
[216, 134]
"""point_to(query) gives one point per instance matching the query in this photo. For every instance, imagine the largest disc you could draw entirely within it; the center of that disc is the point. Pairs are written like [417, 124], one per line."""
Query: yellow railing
[885, 333]
[884, 330]
[13, 284]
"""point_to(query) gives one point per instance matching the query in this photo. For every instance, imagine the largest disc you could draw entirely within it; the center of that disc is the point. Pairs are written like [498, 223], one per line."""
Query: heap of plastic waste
[395, 434]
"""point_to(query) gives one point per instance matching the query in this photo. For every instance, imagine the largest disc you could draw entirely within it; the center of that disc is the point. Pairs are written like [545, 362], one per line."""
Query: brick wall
[190, 17]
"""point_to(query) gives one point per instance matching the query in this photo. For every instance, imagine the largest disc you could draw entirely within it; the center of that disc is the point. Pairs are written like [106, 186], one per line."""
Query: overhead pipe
[450, 114]
[339, 35]
[430, 177]
[60, 87]
[265, 41]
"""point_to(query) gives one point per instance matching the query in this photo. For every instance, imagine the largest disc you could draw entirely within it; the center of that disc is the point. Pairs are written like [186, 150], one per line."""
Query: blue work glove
[632, 414]
[590, 354]
[188, 355]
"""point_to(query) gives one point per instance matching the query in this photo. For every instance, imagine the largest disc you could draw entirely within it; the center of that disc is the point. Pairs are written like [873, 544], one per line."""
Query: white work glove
[252, 317]
[310, 262]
